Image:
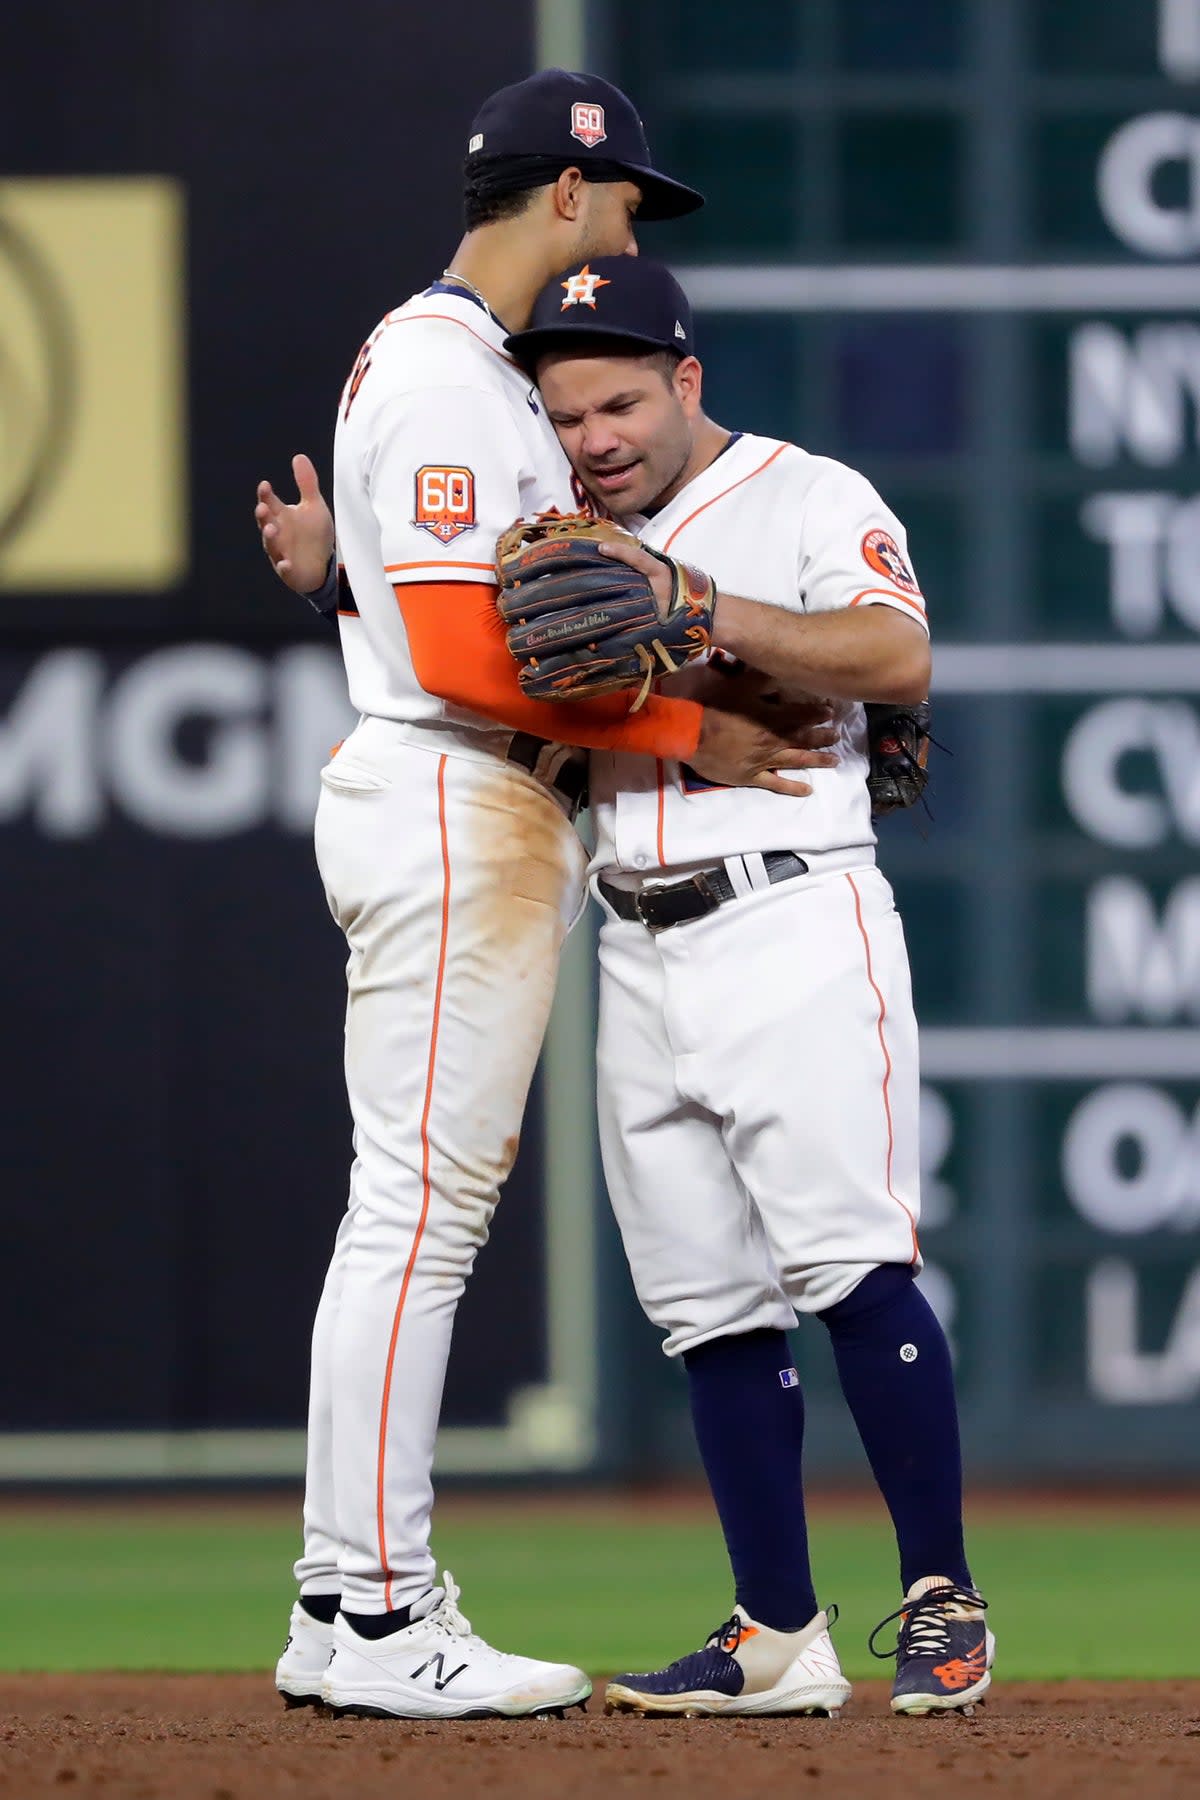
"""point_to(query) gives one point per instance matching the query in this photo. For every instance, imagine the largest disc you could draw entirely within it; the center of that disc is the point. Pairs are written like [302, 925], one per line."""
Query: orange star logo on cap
[581, 288]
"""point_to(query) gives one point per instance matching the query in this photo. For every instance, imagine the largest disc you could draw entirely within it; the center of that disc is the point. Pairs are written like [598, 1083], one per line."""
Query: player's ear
[568, 194]
[688, 383]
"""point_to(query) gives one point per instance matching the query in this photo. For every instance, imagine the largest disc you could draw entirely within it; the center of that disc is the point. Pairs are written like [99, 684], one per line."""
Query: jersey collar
[455, 291]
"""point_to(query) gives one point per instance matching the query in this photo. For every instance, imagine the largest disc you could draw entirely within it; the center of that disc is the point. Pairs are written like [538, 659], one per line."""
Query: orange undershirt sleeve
[456, 640]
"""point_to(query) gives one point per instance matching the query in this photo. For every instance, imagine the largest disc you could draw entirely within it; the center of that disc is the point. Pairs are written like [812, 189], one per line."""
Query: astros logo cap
[609, 302]
[585, 120]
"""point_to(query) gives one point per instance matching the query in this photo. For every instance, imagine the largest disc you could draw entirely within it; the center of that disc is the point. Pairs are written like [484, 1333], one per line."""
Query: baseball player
[757, 1053]
[445, 843]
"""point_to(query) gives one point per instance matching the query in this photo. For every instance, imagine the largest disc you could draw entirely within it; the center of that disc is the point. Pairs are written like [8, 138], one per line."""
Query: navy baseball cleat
[743, 1668]
[943, 1651]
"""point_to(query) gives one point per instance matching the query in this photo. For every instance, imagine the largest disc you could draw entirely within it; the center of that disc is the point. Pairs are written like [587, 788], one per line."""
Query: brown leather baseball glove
[581, 624]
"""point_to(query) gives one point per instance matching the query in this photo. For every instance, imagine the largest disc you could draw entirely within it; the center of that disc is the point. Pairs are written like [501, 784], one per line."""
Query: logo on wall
[92, 378]
[37, 378]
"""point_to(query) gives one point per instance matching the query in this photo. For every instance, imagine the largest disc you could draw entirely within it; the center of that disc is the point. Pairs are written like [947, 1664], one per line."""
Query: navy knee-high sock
[893, 1362]
[748, 1414]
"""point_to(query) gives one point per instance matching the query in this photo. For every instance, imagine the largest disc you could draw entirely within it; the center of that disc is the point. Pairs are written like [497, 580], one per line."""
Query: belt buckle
[699, 882]
[650, 887]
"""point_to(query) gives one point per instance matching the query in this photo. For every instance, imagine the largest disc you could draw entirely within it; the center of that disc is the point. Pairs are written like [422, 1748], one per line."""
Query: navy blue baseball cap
[610, 300]
[585, 120]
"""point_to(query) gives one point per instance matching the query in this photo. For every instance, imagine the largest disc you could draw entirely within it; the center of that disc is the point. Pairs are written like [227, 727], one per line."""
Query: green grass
[210, 1589]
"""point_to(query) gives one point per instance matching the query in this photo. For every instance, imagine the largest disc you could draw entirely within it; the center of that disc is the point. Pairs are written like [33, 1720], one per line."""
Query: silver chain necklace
[447, 275]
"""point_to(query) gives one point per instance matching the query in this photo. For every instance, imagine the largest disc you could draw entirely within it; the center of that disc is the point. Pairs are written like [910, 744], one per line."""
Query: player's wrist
[325, 597]
[732, 627]
[666, 728]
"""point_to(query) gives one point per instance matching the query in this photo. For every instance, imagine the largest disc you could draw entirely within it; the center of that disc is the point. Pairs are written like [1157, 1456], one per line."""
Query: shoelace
[729, 1635]
[445, 1614]
[924, 1626]
[726, 1637]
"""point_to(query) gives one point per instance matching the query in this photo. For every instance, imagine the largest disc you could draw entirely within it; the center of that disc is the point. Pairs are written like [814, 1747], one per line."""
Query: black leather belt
[564, 769]
[661, 904]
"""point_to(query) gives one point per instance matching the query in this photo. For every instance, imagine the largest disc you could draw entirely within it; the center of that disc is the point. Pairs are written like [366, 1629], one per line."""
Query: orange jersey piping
[891, 594]
[887, 1065]
[733, 484]
[425, 1188]
[393, 568]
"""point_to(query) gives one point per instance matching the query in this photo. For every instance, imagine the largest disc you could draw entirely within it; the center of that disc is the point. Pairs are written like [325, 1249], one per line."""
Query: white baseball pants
[455, 877]
[758, 1094]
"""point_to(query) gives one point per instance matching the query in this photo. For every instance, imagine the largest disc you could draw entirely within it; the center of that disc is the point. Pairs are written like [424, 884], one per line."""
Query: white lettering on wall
[1119, 1371]
[938, 1199]
[1153, 543]
[1135, 395]
[1140, 965]
[224, 790]
[1179, 38]
[1165, 731]
[942, 1296]
[48, 760]
[1155, 1184]
[1127, 184]
[77, 745]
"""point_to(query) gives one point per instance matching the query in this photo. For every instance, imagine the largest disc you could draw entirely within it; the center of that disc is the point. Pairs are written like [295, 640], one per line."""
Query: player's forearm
[662, 727]
[458, 652]
[873, 653]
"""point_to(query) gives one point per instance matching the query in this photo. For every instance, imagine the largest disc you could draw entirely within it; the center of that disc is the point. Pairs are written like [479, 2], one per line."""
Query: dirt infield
[188, 1737]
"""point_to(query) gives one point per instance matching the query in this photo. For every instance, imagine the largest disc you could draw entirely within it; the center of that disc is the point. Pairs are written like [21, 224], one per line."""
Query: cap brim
[662, 198]
[527, 346]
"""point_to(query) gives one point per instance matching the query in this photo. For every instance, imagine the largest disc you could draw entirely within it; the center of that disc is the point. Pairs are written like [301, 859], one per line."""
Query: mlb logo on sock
[788, 1378]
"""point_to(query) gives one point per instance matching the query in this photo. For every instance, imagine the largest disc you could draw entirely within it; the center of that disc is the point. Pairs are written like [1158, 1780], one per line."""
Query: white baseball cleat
[437, 1668]
[300, 1671]
[743, 1668]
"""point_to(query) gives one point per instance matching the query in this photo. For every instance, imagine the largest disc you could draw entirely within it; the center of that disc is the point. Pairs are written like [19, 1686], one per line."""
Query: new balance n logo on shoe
[962, 1671]
[437, 1662]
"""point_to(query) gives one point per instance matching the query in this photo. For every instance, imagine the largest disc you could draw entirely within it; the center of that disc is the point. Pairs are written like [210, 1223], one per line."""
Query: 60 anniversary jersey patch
[444, 503]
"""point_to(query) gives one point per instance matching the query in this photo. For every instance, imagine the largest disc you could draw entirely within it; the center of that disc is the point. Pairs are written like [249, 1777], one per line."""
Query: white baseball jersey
[757, 1068]
[441, 443]
[455, 876]
[768, 521]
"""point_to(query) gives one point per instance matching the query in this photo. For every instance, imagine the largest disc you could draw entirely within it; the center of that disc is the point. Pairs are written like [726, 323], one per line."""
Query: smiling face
[627, 423]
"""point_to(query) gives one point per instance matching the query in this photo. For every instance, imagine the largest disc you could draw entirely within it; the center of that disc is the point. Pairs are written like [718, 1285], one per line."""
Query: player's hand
[755, 747]
[297, 538]
[656, 571]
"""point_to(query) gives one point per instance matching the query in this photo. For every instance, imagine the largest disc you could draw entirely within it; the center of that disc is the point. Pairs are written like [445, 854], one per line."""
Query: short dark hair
[665, 361]
[501, 187]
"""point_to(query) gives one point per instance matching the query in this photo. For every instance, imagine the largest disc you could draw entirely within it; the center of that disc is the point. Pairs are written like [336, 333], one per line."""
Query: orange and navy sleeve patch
[882, 553]
[444, 504]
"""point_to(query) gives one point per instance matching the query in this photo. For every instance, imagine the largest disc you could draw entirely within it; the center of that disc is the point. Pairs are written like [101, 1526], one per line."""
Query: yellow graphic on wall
[92, 384]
